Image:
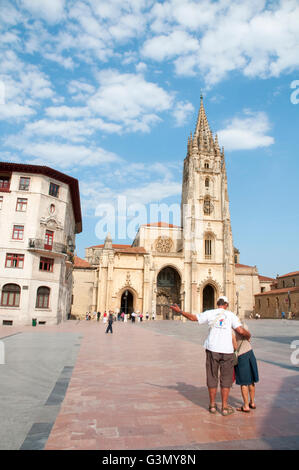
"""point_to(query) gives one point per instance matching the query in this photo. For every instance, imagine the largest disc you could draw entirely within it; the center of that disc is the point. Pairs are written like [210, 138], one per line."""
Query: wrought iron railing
[40, 244]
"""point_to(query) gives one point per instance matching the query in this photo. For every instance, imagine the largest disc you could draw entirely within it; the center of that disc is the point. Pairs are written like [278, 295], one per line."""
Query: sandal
[227, 411]
[213, 409]
[242, 409]
[253, 407]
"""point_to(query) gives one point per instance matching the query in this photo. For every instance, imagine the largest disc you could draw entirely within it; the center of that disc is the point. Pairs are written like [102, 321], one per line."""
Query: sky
[109, 91]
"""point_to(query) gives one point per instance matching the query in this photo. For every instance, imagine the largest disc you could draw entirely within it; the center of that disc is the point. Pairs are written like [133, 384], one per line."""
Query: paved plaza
[73, 387]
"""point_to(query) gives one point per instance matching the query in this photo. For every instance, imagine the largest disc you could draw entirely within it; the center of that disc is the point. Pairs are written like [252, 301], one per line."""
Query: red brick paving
[136, 389]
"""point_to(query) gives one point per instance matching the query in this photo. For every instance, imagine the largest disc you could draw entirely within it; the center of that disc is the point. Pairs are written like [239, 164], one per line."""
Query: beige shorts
[222, 362]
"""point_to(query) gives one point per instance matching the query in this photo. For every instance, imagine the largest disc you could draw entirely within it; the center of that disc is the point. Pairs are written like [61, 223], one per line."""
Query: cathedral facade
[191, 265]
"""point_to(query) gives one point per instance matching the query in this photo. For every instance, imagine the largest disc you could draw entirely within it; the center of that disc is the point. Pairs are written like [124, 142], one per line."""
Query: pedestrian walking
[110, 322]
[246, 370]
[147, 316]
[98, 316]
[105, 317]
[219, 350]
[133, 316]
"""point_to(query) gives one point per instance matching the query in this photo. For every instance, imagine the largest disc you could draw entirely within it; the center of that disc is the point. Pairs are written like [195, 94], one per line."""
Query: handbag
[236, 354]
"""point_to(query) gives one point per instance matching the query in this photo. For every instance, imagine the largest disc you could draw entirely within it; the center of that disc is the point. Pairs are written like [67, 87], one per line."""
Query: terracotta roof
[124, 248]
[289, 274]
[266, 279]
[161, 224]
[243, 266]
[45, 170]
[80, 263]
[279, 291]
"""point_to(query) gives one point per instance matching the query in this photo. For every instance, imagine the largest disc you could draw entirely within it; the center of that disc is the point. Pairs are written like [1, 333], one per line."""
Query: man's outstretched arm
[177, 309]
[243, 332]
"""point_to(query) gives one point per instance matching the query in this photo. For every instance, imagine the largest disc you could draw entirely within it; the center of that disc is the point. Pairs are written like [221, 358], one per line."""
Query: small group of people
[95, 315]
[228, 341]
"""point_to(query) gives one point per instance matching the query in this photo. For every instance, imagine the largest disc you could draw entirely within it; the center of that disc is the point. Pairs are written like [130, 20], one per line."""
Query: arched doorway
[168, 292]
[127, 302]
[208, 298]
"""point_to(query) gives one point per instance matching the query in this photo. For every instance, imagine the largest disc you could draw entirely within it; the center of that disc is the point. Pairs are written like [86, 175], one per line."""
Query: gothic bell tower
[207, 236]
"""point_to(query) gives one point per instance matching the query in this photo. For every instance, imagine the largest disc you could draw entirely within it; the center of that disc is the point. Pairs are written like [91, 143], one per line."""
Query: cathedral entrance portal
[168, 292]
[208, 298]
[126, 304]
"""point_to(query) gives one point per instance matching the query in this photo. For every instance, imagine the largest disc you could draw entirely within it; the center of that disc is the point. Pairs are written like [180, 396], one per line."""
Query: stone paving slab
[144, 387]
[35, 362]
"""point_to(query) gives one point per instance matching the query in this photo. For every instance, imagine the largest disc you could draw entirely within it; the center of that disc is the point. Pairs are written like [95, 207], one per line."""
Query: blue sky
[108, 92]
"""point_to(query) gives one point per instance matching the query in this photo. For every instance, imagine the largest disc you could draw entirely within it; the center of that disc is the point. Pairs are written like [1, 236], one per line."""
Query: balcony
[39, 244]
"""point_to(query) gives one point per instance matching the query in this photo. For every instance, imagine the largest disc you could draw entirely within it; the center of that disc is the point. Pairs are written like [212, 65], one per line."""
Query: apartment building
[40, 215]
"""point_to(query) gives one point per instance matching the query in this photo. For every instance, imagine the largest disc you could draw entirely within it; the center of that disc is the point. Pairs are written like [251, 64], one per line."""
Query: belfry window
[207, 183]
[208, 247]
[207, 165]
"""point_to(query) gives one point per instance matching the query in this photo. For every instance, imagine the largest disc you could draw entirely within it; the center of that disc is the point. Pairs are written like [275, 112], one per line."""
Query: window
[18, 232]
[42, 297]
[1, 202]
[207, 165]
[46, 264]
[53, 190]
[207, 183]
[49, 240]
[294, 282]
[21, 204]
[4, 183]
[11, 295]
[208, 248]
[262, 289]
[24, 183]
[14, 260]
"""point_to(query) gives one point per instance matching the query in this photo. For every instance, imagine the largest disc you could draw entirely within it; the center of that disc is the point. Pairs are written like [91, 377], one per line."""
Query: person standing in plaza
[133, 315]
[246, 370]
[110, 322]
[219, 349]
[98, 316]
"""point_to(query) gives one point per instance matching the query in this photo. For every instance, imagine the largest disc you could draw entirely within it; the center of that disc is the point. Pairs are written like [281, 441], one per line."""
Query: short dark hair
[221, 302]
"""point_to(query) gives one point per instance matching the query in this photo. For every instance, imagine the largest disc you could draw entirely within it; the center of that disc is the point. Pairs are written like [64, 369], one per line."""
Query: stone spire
[108, 242]
[203, 132]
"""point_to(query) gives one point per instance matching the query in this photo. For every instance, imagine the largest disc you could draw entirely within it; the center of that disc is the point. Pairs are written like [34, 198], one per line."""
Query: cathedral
[191, 264]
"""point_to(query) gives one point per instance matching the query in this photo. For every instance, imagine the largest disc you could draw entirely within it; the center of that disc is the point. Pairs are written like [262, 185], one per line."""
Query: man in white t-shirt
[219, 349]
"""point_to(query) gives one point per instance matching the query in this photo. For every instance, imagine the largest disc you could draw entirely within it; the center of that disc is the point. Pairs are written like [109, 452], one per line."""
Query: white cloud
[253, 37]
[129, 99]
[249, 132]
[70, 112]
[50, 10]
[59, 155]
[12, 111]
[182, 112]
[167, 46]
